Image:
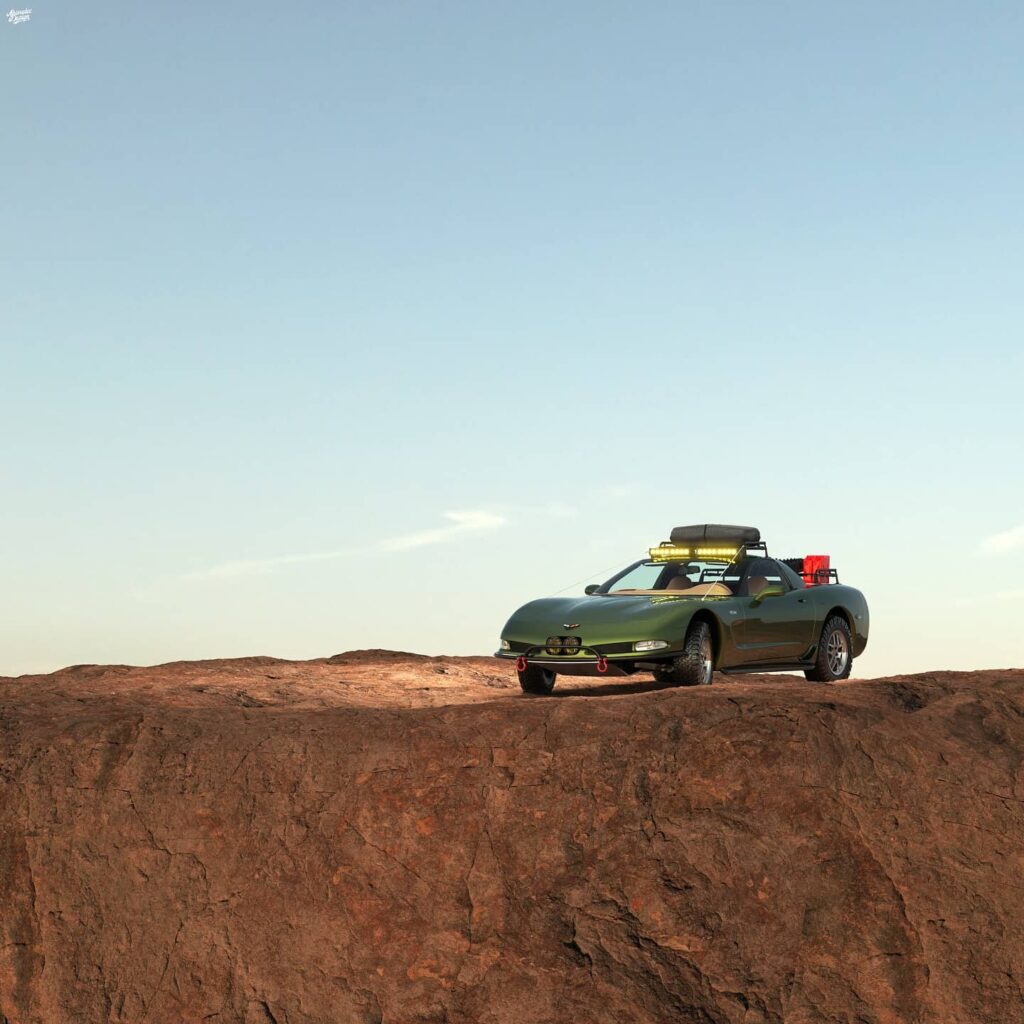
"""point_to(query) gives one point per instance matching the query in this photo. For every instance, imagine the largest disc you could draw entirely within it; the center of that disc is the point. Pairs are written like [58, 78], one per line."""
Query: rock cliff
[381, 838]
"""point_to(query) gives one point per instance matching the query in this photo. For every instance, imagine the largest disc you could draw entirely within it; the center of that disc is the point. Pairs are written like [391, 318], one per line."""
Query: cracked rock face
[383, 838]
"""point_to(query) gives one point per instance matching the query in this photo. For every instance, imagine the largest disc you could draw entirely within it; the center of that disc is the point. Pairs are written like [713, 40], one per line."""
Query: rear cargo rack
[813, 578]
[821, 577]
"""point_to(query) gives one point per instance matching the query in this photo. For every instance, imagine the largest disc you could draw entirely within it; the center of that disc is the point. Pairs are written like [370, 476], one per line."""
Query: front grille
[562, 645]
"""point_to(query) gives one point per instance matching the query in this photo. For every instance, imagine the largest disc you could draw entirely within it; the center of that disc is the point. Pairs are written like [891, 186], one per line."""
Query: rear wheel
[696, 665]
[835, 652]
[534, 679]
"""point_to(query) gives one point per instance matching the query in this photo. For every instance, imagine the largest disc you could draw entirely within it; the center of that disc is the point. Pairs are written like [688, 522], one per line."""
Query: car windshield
[697, 578]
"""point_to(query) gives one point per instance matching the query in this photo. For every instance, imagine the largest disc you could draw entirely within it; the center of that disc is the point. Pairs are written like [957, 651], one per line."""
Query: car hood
[602, 619]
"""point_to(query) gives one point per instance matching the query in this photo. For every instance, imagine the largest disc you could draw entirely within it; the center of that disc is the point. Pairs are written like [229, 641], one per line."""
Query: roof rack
[710, 533]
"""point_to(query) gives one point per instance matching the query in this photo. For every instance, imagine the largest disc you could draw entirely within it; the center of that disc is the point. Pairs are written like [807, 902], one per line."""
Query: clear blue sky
[284, 287]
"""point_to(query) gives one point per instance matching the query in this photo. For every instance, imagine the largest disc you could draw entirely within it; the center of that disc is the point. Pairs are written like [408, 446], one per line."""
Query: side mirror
[773, 590]
[592, 589]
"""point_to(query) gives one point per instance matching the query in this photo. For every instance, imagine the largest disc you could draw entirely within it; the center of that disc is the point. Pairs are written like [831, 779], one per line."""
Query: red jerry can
[816, 569]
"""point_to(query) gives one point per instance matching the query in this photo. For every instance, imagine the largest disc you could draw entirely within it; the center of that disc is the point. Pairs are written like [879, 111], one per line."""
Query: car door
[777, 628]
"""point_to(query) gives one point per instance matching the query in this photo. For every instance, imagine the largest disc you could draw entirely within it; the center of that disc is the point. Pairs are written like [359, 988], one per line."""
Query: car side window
[795, 582]
[775, 576]
[761, 573]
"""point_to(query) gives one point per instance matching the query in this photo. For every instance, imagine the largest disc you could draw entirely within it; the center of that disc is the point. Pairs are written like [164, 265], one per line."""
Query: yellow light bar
[676, 552]
[669, 552]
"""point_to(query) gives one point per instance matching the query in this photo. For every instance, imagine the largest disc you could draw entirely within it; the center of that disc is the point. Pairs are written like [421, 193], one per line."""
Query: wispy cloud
[459, 524]
[551, 510]
[990, 599]
[615, 492]
[1007, 540]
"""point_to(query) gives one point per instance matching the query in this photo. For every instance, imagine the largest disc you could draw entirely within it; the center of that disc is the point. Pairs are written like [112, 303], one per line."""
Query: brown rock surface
[385, 838]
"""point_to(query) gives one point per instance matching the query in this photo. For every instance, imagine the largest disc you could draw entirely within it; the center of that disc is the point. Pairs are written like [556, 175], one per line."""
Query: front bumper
[614, 659]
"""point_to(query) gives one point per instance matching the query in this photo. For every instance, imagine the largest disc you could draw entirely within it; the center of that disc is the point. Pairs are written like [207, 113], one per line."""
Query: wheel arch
[705, 615]
[843, 613]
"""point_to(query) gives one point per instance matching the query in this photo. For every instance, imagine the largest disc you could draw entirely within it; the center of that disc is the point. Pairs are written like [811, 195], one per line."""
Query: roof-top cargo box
[715, 532]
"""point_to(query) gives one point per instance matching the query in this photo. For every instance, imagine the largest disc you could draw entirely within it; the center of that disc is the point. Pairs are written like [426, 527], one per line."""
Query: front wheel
[835, 652]
[534, 679]
[696, 665]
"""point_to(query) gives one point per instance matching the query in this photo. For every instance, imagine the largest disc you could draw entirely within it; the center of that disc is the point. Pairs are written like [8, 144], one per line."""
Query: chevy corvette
[708, 599]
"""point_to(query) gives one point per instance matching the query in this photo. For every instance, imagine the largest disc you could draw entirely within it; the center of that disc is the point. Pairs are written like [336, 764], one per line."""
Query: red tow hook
[521, 663]
[602, 663]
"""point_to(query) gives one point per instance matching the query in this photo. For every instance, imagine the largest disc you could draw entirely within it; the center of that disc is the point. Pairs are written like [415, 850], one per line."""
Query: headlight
[650, 645]
[505, 645]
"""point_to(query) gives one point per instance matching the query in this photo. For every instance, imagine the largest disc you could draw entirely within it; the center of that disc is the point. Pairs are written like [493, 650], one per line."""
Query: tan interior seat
[679, 582]
[709, 590]
[755, 584]
[697, 590]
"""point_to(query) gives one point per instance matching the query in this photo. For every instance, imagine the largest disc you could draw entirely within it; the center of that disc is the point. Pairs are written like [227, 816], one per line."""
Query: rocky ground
[378, 837]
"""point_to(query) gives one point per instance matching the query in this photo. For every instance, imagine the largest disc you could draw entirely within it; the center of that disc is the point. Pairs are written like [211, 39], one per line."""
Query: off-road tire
[834, 658]
[535, 679]
[695, 666]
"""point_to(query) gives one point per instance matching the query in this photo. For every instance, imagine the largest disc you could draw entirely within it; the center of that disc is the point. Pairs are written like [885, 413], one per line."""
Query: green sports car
[708, 599]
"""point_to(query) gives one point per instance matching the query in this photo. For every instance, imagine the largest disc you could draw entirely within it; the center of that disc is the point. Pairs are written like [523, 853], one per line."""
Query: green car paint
[778, 630]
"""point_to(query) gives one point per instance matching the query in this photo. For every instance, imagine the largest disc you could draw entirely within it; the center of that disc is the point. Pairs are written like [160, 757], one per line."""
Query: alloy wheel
[838, 653]
[707, 656]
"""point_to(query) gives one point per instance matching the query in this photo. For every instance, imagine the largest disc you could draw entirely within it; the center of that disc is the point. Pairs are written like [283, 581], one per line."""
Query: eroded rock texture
[380, 838]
